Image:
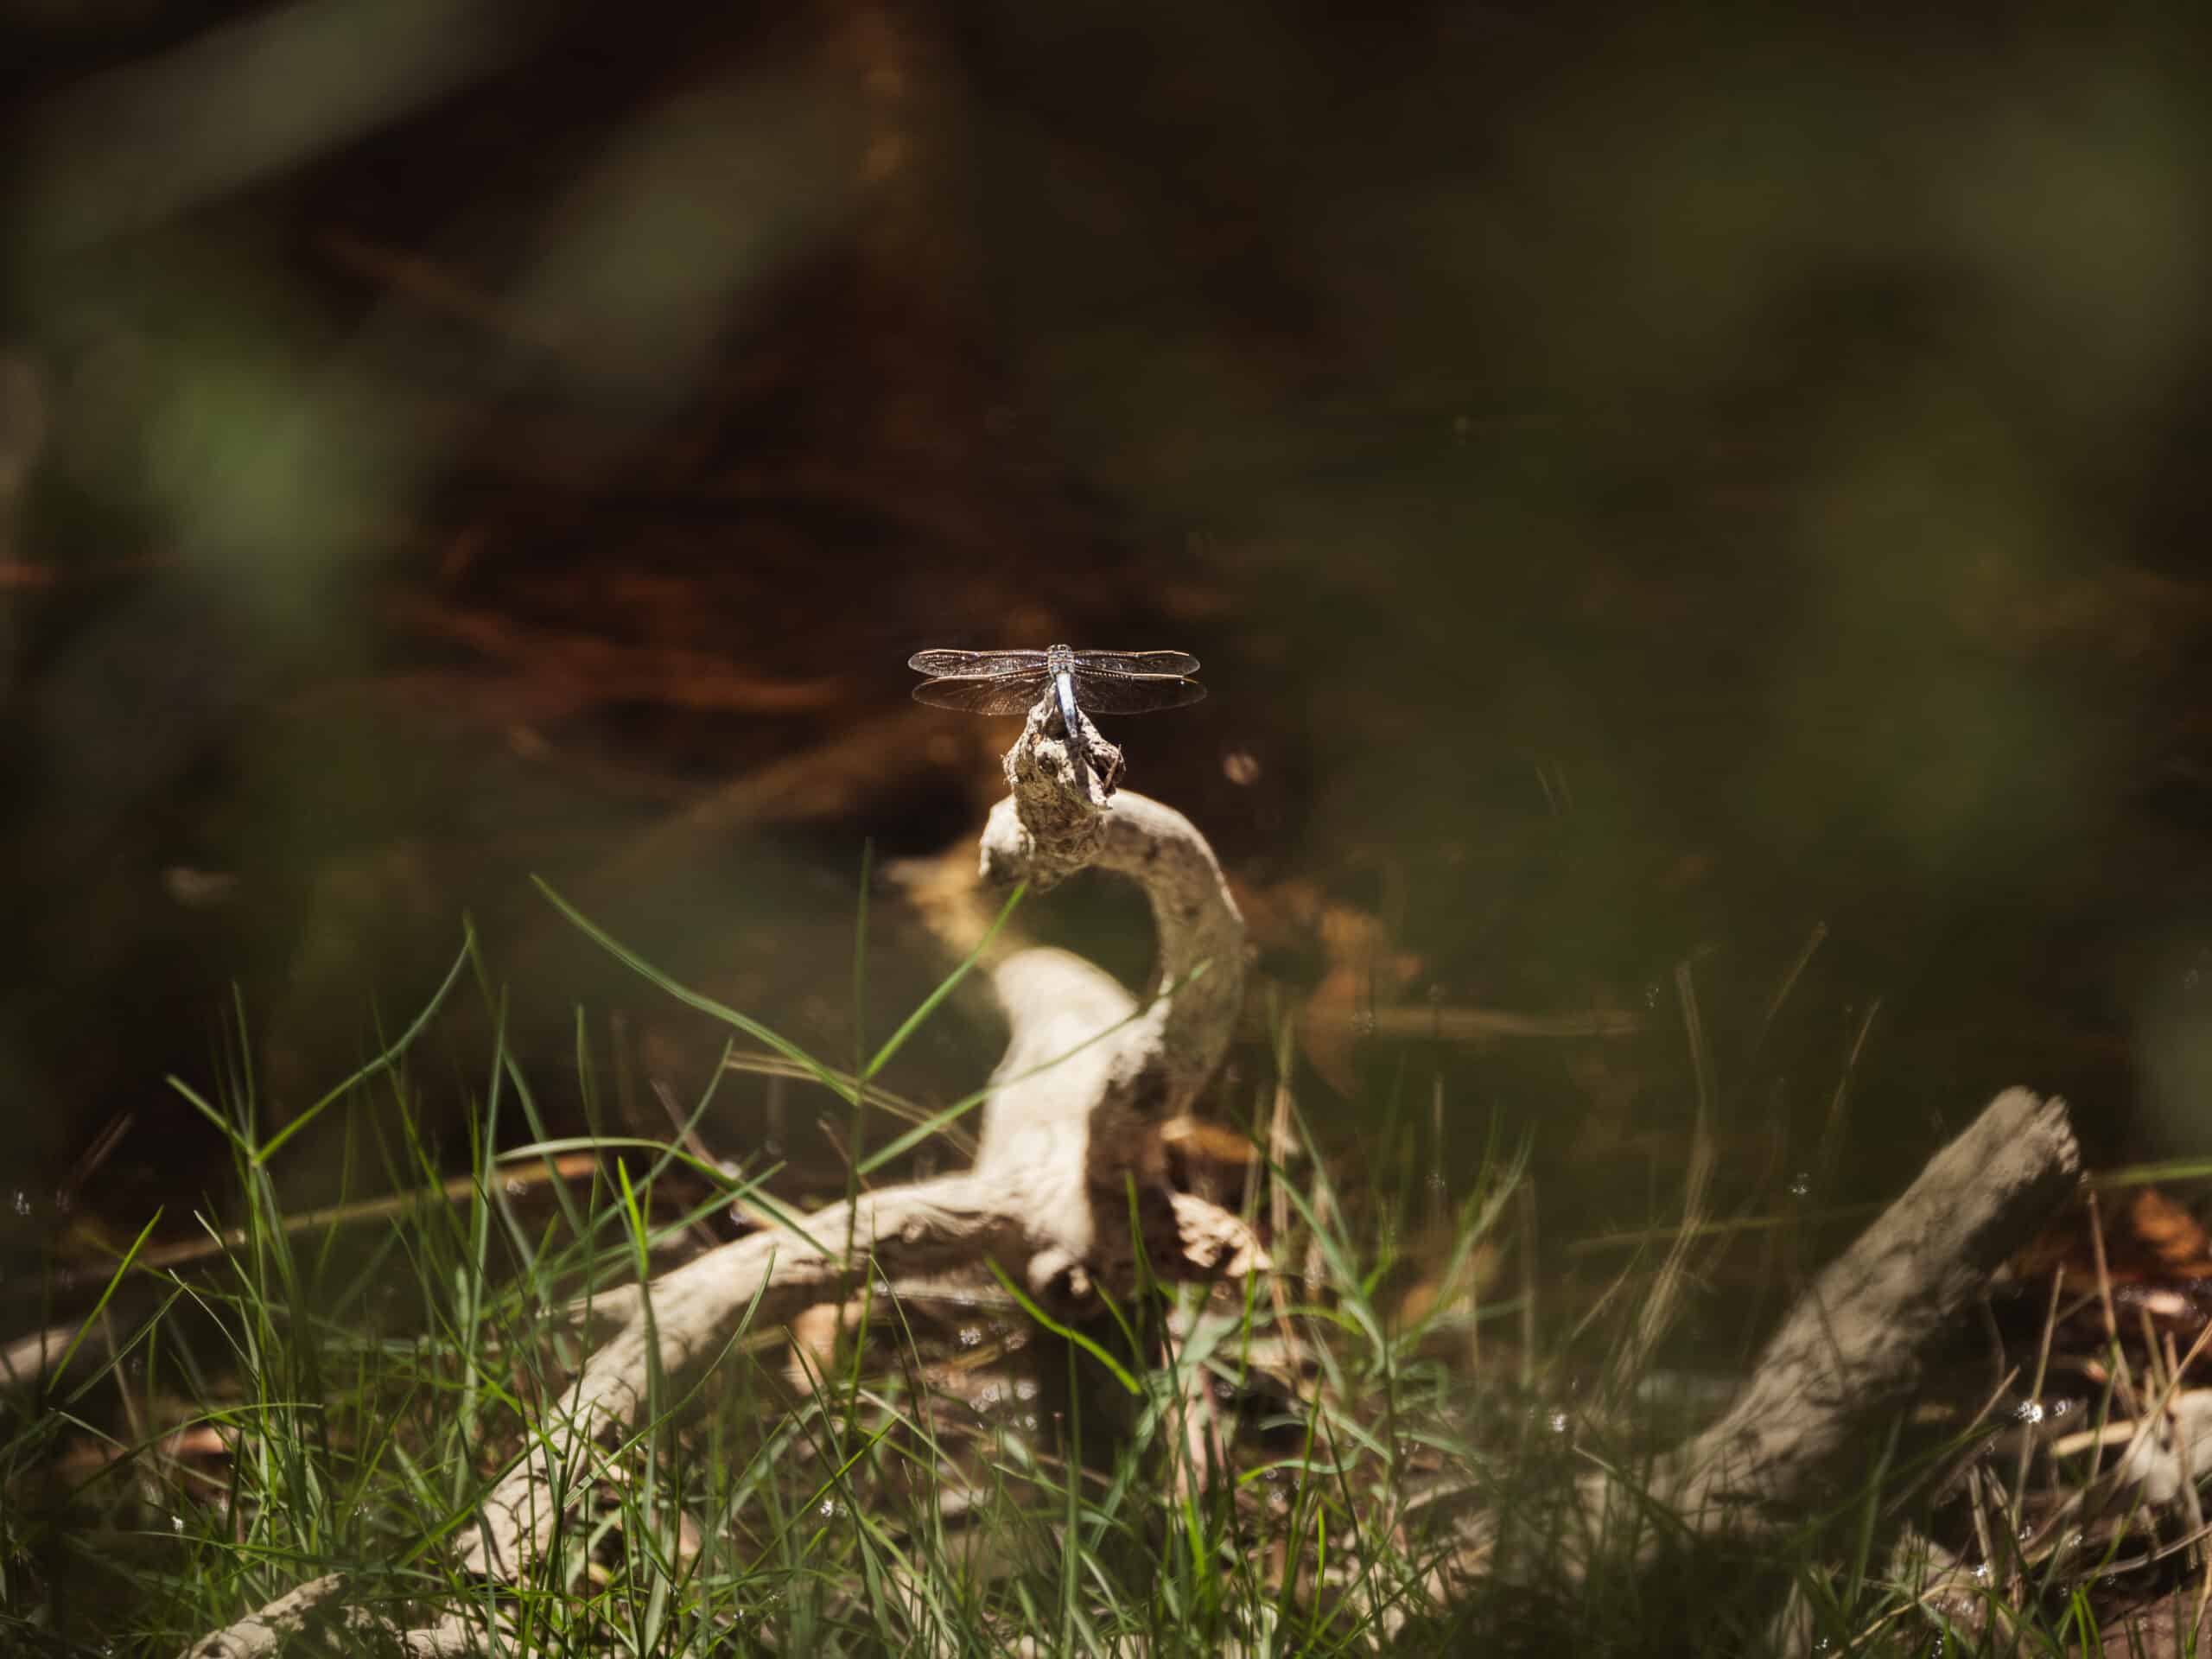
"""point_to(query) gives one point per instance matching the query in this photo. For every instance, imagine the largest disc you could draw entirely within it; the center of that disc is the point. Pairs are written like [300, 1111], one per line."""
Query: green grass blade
[683, 994]
[107, 1292]
[929, 1004]
[1022, 1299]
[383, 1061]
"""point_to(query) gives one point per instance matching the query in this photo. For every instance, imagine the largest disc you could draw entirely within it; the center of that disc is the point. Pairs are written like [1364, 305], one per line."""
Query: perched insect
[1104, 681]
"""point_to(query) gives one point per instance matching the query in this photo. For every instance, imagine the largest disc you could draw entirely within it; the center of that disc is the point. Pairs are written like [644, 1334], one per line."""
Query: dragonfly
[1009, 681]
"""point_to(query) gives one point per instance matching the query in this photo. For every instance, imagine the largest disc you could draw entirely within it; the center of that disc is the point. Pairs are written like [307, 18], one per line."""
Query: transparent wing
[1009, 694]
[1136, 662]
[1106, 693]
[976, 663]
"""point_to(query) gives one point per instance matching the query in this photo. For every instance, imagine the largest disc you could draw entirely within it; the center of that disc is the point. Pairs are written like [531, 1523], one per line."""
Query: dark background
[1643, 488]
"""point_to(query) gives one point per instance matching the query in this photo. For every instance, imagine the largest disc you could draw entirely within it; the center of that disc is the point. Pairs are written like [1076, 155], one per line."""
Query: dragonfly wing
[973, 665]
[1138, 661]
[1008, 694]
[1104, 692]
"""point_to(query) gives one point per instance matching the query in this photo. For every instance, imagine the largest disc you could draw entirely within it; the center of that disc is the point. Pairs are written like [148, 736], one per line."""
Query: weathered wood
[1851, 1347]
[1070, 1134]
[1087, 1077]
[1072, 1130]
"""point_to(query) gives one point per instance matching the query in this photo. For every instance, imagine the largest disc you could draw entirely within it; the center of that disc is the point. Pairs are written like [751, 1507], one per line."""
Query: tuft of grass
[1265, 1469]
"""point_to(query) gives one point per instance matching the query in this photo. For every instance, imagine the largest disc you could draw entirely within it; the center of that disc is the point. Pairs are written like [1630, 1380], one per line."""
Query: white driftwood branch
[265, 1633]
[1069, 1137]
[1851, 1347]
